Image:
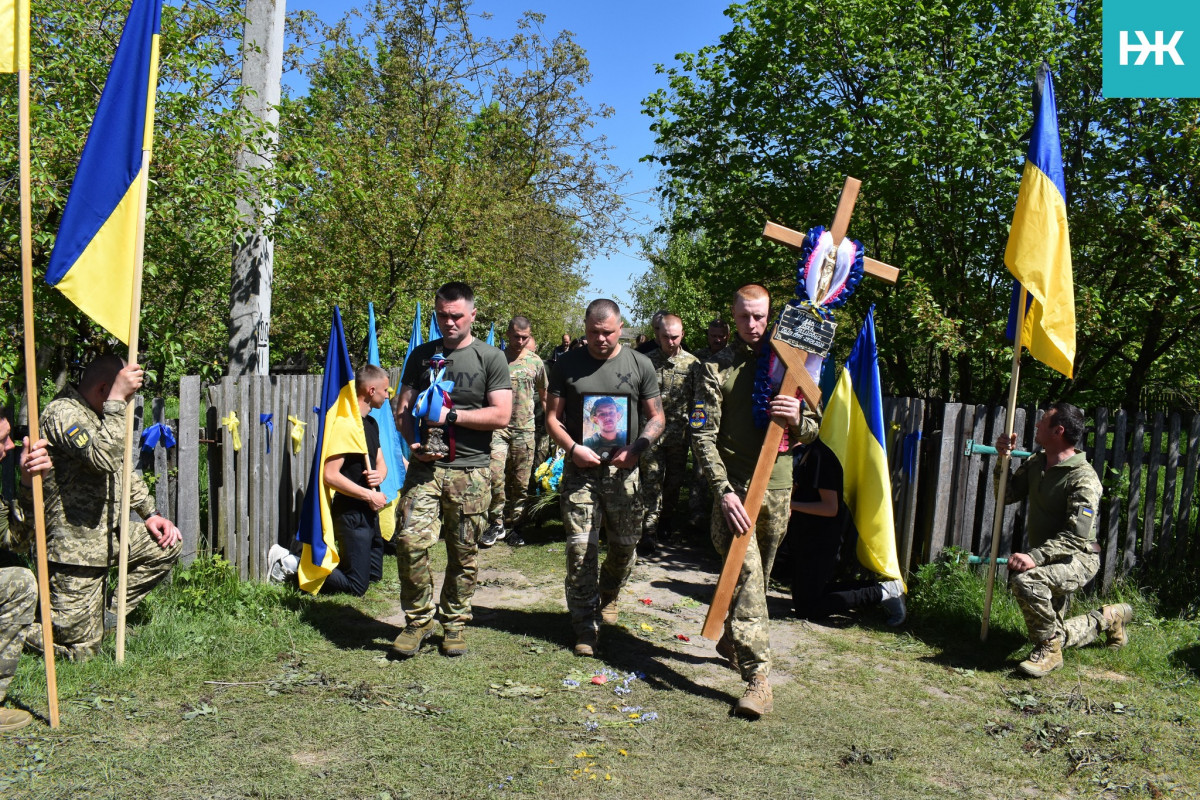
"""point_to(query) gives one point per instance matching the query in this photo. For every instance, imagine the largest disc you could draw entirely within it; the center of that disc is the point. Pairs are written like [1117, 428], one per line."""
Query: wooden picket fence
[1146, 515]
[941, 495]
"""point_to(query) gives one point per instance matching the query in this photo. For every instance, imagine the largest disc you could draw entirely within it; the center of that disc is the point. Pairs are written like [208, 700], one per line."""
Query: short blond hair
[752, 291]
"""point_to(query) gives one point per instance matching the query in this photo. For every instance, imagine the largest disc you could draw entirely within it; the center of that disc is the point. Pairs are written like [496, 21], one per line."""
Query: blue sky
[624, 39]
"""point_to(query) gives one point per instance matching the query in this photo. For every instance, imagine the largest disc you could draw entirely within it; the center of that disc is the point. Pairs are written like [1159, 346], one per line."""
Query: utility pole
[253, 258]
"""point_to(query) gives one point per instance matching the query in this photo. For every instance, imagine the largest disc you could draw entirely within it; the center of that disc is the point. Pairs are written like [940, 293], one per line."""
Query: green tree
[432, 155]
[191, 214]
[927, 102]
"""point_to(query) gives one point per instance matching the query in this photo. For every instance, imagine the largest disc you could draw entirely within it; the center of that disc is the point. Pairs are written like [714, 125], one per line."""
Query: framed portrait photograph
[605, 423]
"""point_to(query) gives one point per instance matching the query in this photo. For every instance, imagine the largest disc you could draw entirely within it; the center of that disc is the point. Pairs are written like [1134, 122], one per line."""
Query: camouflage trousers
[18, 600]
[437, 498]
[662, 469]
[513, 454]
[746, 624]
[591, 498]
[1044, 594]
[77, 595]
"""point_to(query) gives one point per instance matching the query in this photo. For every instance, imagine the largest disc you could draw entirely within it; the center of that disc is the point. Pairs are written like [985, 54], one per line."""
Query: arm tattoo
[655, 424]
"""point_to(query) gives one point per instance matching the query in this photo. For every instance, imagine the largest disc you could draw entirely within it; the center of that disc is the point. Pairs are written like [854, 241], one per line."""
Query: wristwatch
[452, 417]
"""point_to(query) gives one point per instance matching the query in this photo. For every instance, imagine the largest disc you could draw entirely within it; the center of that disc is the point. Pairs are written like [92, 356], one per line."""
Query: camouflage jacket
[678, 379]
[1063, 503]
[83, 491]
[16, 522]
[528, 376]
[725, 438]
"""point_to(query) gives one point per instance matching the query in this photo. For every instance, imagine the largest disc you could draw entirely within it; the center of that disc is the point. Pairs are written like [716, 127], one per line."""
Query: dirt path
[678, 582]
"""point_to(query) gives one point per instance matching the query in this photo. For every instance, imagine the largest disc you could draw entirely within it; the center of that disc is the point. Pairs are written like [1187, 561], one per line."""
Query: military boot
[1044, 659]
[454, 643]
[409, 641]
[1116, 617]
[608, 607]
[587, 643]
[13, 719]
[757, 700]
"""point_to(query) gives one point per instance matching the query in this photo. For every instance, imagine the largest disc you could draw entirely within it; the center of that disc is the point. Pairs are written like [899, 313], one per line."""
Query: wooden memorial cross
[795, 376]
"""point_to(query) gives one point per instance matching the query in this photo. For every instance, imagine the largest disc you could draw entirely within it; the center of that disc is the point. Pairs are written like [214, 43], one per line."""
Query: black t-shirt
[353, 467]
[815, 469]
[476, 370]
[628, 377]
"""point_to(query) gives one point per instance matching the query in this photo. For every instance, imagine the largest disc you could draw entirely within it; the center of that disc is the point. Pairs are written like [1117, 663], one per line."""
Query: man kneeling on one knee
[85, 426]
[1064, 497]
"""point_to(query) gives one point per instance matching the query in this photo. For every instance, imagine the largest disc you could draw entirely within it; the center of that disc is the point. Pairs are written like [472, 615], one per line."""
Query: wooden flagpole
[31, 392]
[135, 317]
[1002, 486]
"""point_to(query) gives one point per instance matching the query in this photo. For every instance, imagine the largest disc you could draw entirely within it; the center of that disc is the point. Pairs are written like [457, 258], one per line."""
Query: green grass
[235, 690]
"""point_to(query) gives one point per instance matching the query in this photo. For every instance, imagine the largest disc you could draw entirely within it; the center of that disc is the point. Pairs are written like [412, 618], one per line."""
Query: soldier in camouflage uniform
[85, 427]
[664, 465]
[595, 490]
[1064, 496]
[18, 587]
[727, 443]
[448, 492]
[514, 447]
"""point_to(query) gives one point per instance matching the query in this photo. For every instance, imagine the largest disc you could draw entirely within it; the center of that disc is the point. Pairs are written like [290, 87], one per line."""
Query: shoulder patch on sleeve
[78, 436]
[1087, 512]
[698, 416]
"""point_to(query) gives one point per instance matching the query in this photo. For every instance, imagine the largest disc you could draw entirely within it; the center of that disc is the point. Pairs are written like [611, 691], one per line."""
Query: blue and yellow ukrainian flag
[853, 429]
[389, 442]
[14, 35]
[94, 257]
[339, 430]
[1039, 249]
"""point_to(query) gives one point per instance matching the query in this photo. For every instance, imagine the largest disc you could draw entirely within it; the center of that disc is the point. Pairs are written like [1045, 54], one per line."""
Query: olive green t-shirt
[476, 370]
[628, 375]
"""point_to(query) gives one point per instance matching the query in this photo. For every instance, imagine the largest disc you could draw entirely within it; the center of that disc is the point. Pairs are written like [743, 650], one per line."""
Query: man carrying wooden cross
[734, 404]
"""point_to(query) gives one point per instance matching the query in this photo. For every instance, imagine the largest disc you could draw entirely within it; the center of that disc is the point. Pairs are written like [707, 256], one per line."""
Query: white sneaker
[893, 602]
[282, 564]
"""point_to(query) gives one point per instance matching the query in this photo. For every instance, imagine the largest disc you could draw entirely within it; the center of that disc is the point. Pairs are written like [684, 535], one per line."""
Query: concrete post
[250, 289]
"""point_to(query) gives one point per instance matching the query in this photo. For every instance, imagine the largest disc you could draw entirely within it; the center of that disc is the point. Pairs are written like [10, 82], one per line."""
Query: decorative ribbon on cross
[429, 403]
[269, 421]
[297, 433]
[830, 269]
[156, 433]
[232, 422]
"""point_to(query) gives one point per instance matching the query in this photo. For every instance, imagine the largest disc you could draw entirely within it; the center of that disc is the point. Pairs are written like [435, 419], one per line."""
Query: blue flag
[492, 335]
[434, 331]
[414, 341]
[389, 436]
